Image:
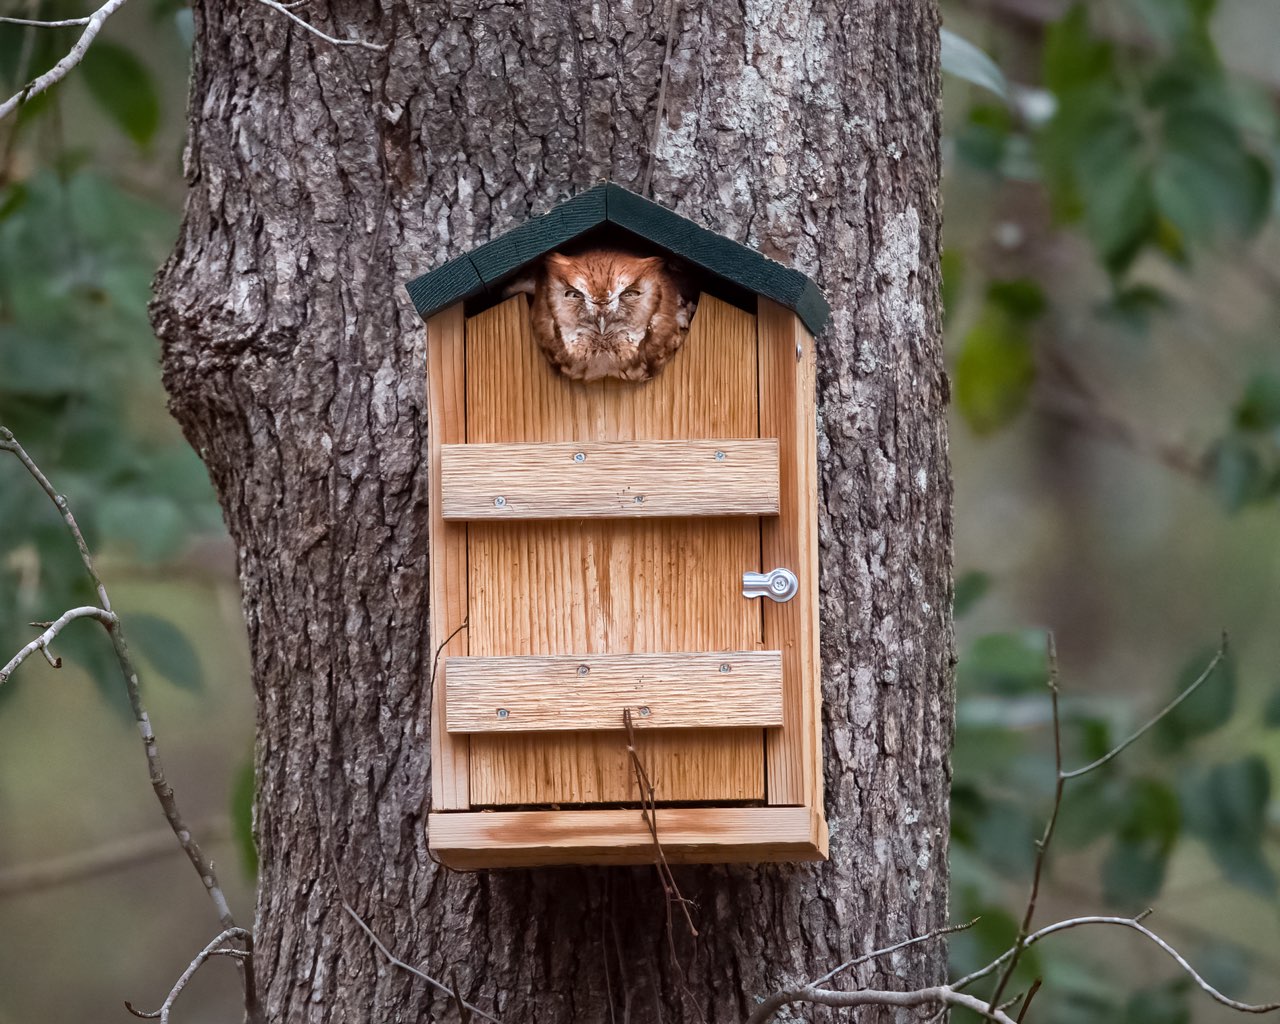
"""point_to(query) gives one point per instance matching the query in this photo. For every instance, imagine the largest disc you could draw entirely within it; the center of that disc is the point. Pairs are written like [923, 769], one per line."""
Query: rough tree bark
[323, 177]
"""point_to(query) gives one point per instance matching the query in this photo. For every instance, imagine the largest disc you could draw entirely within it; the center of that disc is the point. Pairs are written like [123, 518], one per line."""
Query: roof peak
[482, 270]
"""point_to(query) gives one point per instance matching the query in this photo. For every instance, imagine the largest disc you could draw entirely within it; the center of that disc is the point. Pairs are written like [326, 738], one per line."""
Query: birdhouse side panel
[788, 411]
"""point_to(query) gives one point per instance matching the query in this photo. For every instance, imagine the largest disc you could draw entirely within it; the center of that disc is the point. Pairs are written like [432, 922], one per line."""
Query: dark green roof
[483, 270]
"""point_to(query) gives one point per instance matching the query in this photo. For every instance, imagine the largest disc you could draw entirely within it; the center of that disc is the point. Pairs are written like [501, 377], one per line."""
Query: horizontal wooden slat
[725, 690]
[689, 835]
[611, 479]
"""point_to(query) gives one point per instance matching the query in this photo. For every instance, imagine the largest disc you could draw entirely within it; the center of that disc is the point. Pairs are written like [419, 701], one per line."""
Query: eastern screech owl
[606, 313]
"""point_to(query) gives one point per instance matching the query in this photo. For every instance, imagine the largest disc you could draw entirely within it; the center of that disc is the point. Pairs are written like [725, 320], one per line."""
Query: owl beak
[600, 321]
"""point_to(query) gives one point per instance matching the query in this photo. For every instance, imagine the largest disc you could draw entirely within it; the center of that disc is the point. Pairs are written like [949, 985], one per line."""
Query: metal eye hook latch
[780, 585]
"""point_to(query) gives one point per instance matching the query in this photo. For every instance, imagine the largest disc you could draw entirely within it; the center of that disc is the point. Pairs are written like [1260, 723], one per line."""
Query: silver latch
[780, 585]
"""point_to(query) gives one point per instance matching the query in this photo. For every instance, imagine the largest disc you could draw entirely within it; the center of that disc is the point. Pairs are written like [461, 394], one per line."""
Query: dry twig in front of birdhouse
[649, 809]
[155, 769]
[948, 996]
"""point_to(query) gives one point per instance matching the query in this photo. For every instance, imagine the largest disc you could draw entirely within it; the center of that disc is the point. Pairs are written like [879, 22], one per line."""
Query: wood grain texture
[610, 479]
[446, 400]
[689, 835]
[718, 690]
[613, 587]
[787, 411]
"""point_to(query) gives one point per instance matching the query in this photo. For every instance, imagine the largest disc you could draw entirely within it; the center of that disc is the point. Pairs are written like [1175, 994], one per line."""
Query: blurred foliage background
[1112, 274]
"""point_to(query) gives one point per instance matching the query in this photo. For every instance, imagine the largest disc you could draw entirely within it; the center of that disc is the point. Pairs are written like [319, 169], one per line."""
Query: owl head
[604, 292]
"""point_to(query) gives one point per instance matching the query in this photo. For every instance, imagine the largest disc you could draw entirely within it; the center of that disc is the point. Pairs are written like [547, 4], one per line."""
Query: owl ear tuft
[559, 262]
[650, 263]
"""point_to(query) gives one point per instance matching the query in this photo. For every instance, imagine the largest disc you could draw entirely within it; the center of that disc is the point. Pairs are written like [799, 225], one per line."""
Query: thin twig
[41, 643]
[64, 23]
[23, 879]
[656, 134]
[155, 768]
[92, 25]
[1026, 1003]
[1209, 669]
[211, 950]
[1042, 847]
[285, 10]
[437, 985]
[1134, 924]
[649, 811]
[781, 998]
[875, 954]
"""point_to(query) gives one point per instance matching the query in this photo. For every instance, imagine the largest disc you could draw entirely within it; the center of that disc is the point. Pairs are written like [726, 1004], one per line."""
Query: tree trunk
[323, 177]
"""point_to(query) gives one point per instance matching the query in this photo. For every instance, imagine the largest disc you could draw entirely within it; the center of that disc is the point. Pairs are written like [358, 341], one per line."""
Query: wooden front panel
[684, 690]
[612, 587]
[610, 479]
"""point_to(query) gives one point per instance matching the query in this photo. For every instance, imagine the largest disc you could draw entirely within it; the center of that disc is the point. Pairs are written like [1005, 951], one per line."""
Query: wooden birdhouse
[624, 576]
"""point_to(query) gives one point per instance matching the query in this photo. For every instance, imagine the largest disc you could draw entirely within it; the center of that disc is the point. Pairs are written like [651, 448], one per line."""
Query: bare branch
[1134, 924]
[211, 950]
[155, 769]
[92, 25]
[24, 879]
[939, 995]
[41, 643]
[877, 953]
[1042, 847]
[779, 999]
[1209, 669]
[439, 986]
[64, 23]
[285, 10]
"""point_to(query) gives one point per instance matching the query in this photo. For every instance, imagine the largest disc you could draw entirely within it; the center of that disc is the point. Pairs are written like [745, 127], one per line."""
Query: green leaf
[1226, 807]
[1207, 709]
[952, 281]
[1135, 306]
[1005, 663]
[167, 649]
[966, 60]
[1238, 472]
[1160, 1004]
[124, 88]
[1092, 807]
[996, 365]
[244, 788]
[1073, 55]
[1271, 711]
[1259, 407]
[984, 138]
[1225, 966]
[970, 588]
[1134, 870]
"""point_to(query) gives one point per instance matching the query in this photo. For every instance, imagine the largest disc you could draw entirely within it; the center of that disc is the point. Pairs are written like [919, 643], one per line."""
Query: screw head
[503, 712]
[644, 712]
[719, 456]
[499, 502]
[579, 456]
[583, 669]
[639, 499]
[725, 666]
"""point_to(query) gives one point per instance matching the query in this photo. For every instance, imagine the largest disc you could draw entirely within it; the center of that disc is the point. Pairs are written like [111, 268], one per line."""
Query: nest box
[611, 551]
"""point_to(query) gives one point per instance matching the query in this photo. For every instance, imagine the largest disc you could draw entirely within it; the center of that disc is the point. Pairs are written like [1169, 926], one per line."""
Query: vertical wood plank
[595, 587]
[446, 424]
[788, 412]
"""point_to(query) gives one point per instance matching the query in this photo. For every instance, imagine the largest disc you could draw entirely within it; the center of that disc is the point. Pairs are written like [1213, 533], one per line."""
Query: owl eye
[572, 293]
[631, 291]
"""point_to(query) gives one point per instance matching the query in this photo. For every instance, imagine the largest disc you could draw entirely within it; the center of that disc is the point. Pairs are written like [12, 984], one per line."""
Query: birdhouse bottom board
[589, 544]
